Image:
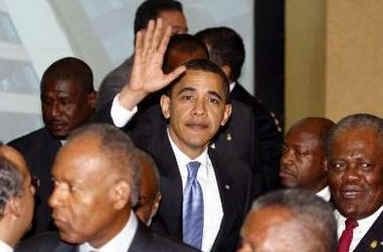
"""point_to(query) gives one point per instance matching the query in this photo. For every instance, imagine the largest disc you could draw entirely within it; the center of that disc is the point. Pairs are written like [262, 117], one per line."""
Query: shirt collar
[183, 159]
[4, 247]
[121, 242]
[324, 194]
[232, 86]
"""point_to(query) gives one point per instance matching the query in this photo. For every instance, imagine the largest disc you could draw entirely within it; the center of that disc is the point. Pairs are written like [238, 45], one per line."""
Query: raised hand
[147, 75]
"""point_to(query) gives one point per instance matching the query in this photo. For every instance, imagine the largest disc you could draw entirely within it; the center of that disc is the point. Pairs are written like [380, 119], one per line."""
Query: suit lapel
[372, 240]
[171, 184]
[224, 183]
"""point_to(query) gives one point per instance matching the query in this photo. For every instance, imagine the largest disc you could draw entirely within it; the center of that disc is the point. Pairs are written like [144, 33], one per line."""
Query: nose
[287, 156]
[351, 173]
[199, 108]
[56, 110]
[57, 197]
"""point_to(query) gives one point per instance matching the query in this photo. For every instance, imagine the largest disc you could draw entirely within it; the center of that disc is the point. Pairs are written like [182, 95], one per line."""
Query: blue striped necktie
[193, 208]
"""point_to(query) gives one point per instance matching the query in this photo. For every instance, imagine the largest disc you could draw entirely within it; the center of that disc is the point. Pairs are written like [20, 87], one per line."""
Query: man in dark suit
[171, 12]
[227, 50]
[290, 221]
[303, 161]
[67, 101]
[196, 105]
[96, 176]
[355, 177]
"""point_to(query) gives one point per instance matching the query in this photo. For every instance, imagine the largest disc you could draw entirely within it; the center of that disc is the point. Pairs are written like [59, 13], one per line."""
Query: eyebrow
[191, 89]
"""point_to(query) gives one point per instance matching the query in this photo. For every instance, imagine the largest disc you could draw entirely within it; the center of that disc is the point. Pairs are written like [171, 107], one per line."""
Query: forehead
[357, 141]
[302, 136]
[200, 81]
[67, 87]
[173, 18]
[80, 159]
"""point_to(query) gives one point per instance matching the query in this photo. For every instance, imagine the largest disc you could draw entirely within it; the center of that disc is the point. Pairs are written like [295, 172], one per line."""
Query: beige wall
[334, 58]
[304, 59]
[354, 57]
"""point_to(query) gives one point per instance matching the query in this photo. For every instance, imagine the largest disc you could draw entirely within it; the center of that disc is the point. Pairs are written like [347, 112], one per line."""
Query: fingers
[158, 33]
[165, 41]
[148, 36]
[175, 74]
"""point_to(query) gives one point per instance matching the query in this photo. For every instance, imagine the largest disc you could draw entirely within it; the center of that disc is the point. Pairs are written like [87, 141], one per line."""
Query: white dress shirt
[324, 194]
[212, 207]
[361, 230]
[121, 242]
[4, 247]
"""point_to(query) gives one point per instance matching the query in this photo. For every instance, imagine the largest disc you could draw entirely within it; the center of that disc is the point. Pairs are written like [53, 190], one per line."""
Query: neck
[318, 187]
[9, 235]
[191, 151]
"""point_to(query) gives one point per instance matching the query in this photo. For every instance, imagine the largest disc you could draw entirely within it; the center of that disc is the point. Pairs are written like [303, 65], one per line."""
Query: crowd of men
[173, 154]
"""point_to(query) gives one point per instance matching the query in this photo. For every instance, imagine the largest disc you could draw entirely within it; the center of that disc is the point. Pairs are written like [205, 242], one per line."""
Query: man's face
[65, 106]
[355, 172]
[273, 229]
[82, 202]
[196, 109]
[302, 161]
[175, 19]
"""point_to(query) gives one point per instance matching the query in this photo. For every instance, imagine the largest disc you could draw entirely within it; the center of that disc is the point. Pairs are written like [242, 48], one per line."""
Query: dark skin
[355, 172]
[303, 160]
[65, 106]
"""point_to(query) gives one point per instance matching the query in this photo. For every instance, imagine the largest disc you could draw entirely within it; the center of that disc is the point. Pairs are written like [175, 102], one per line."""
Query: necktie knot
[193, 169]
[351, 224]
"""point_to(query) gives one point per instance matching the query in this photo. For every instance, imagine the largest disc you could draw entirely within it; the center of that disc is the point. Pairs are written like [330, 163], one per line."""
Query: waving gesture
[147, 75]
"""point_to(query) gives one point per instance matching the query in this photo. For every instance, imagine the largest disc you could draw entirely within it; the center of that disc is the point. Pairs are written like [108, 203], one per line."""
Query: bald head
[150, 195]
[303, 158]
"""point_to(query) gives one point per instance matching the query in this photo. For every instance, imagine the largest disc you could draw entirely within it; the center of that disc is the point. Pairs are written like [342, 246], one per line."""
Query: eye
[214, 100]
[285, 149]
[338, 166]
[365, 166]
[187, 97]
[65, 102]
[302, 153]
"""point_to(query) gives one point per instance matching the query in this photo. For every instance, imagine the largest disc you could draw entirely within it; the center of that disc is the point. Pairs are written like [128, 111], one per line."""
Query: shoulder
[29, 138]
[145, 240]
[43, 242]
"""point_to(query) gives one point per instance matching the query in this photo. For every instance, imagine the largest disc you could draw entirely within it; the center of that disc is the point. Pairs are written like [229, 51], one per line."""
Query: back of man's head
[150, 9]
[225, 48]
[290, 220]
[16, 196]
[182, 48]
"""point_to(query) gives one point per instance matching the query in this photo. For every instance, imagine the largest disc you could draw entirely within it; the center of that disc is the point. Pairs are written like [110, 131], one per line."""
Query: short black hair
[185, 43]
[225, 47]
[206, 66]
[150, 9]
[70, 68]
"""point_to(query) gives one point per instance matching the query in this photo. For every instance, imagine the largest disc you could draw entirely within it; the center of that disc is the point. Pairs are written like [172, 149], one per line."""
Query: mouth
[286, 173]
[197, 126]
[351, 192]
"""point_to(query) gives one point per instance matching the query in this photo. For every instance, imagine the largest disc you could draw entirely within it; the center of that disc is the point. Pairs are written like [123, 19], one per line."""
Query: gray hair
[119, 149]
[352, 122]
[11, 182]
[311, 213]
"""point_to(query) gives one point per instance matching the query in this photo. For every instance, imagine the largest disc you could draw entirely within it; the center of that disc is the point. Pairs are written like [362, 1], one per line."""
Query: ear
[13, 208]
[92, 97]
[226, 114]
[156, 204]
[227, 70]
[121, 194]
[165, 103]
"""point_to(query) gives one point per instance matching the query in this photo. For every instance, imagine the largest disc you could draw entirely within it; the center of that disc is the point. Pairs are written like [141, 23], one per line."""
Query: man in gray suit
[170, 11]
[96, 177]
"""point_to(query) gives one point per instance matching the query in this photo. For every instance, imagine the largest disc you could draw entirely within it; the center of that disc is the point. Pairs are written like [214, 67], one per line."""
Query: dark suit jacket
[39, 149]
[144, 240]
[234, 179]
[375, 233]
[269, 138]
[113, 82]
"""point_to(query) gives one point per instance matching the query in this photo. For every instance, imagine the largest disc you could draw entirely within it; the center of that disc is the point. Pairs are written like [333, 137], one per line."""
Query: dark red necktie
[346, 238]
